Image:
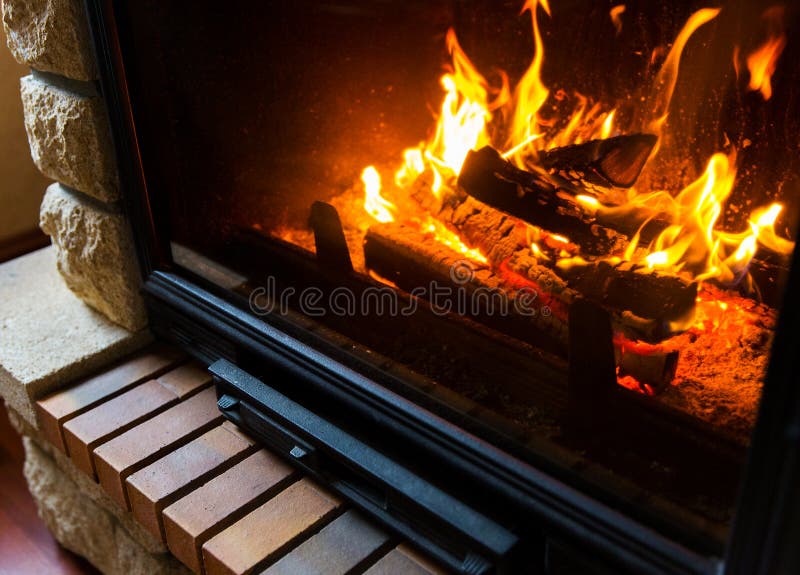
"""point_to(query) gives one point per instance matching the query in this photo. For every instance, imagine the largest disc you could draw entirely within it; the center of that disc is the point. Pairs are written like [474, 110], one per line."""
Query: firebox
[508, 275]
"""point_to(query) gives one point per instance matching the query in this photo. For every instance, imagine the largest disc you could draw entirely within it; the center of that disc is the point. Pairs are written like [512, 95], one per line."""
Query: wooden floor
[26, 546]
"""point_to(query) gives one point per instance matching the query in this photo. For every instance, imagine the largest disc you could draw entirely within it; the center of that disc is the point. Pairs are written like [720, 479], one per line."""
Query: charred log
[402, 255]
[623, 286]
[519, 298]
[611, 162]
[489, 178]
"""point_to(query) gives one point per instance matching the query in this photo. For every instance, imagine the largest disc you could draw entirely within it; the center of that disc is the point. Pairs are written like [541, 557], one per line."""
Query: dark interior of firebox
[242, 141]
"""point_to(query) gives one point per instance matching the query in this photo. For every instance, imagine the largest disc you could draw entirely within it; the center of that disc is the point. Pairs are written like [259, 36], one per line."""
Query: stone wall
[69, 137]
[49, 338]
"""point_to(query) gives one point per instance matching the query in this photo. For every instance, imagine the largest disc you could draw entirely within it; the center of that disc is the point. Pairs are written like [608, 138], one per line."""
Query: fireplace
[508, 276]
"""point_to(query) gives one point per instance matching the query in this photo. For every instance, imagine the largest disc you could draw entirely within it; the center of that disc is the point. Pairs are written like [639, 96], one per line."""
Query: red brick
[91, 428]
[192, 520]
[154, 487]
[344, 546]
[270, 530]
[138, 447]
[185, 380]
[405, 561]
[54, 410]
[88, 430]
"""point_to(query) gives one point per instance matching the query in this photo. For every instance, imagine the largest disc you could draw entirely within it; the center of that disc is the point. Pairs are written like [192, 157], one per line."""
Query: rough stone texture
[87, 486]
[50, 35]
[49, 337]
[68, 133]
[86, 528]
[95, 255]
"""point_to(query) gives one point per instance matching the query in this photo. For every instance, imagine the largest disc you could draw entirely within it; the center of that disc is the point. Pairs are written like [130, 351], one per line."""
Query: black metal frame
[212, 327]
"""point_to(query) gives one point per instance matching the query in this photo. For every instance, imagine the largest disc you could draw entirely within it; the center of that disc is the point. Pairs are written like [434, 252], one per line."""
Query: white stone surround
[58, 327]
[70, 141]
[48, 336]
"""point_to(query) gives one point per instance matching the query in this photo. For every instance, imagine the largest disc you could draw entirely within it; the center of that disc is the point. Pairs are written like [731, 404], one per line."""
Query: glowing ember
[590, 203]
[444, 236]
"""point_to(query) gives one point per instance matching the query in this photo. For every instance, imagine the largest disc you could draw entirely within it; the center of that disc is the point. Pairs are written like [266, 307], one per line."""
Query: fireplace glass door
[563, 226]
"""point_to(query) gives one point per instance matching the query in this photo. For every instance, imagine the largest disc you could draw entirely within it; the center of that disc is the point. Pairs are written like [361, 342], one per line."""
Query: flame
[693, 242]
[376, 206]
[668, 74]
[530, 93]
[616, 17]
[413, 166]
[464, 114]
[762, 64]
[608, 124]
[451, 240]
[538, 253]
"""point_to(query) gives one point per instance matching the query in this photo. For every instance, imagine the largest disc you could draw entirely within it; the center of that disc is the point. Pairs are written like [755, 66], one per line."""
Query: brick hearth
[195, 483]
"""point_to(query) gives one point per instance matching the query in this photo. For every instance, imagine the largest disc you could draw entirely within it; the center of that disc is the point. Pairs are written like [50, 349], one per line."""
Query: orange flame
[376, 206]
[451, 240]
[762, 64]
[530, 93]
[616, 17]
[693, 241]
[668, 74]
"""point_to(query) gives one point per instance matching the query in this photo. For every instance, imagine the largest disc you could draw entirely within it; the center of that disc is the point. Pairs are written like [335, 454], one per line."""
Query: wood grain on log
[519, 297]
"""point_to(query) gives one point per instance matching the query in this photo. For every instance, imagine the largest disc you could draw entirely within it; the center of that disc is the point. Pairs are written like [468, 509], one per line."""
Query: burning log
[613, 162]
[520, 298]
[401, 254]
[551, 200]
[489, 178]
[623, 286]
[650, 365]
[646, 293]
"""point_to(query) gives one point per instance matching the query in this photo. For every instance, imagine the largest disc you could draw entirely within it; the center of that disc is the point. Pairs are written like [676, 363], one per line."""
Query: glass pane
[500, 178]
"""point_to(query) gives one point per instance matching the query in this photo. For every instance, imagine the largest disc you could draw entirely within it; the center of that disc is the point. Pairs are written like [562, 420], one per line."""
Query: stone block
[49, 337]
[50, 35]
[86, 485]
[69, 136]
[95, 253]
[84, 527]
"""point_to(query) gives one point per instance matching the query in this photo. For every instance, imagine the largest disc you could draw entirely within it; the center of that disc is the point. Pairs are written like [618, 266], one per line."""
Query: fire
[474, 113]
[608, 125]
[668, 74]
[694, 243]
[451, 240]
[464, 115]
[531, 93]
[762, 64]
[376, 206]
[616, 17]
